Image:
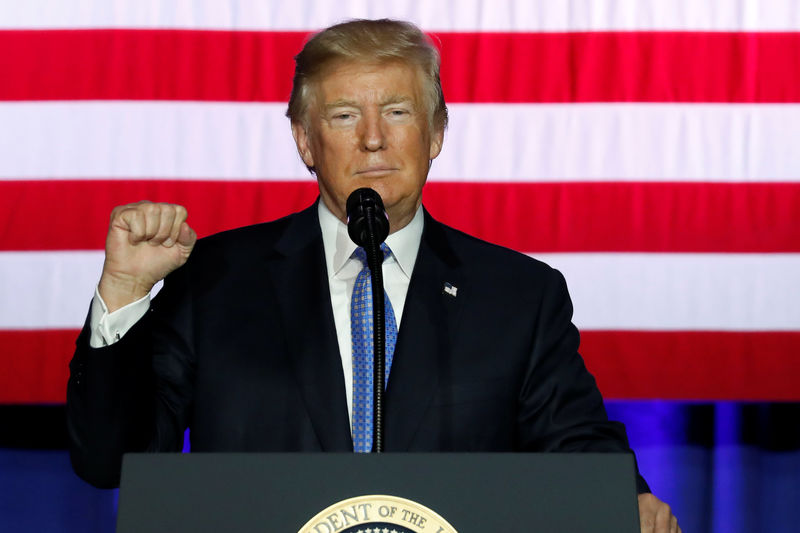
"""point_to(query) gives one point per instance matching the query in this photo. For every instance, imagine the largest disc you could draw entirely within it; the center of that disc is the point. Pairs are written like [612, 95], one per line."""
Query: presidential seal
[377, 514]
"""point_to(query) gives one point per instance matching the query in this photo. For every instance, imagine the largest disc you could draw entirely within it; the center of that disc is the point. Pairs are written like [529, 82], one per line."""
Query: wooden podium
[369, 493]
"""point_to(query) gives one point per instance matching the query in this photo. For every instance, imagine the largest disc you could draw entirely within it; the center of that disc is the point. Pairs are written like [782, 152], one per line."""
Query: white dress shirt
[107, 328]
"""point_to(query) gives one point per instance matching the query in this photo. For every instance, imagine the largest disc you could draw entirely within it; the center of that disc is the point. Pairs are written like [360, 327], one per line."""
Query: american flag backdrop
[650, 150]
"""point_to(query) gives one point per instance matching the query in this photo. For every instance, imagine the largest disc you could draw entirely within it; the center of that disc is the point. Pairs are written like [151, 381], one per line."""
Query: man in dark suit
[249, 341]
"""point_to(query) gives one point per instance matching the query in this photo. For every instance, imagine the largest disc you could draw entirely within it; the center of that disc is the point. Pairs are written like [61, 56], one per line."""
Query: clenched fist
[145, 242]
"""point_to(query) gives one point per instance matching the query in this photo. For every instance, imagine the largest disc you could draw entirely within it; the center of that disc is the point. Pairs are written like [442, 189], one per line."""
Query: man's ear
[437, 139]
[303, 142]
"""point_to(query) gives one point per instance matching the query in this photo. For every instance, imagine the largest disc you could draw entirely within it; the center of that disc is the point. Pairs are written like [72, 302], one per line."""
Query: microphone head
[364, 204]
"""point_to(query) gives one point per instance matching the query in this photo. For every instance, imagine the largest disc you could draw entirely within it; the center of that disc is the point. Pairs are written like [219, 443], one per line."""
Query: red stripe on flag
[624, 216]
[74, 215]
[35, 365]
[530, 217]
[621, 67]
[694, 365]
[128, 64]
[147, 65]
[679, 365]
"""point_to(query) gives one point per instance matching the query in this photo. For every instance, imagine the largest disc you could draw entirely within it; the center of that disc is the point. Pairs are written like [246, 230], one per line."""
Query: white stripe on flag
[51, 290]
[486, 142]
[741, 292]
[147, 140]
[738, 292]
[452, 15]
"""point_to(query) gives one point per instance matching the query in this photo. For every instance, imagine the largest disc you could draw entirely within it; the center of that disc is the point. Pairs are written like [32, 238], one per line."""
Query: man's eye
[399, 112]
[343, 116]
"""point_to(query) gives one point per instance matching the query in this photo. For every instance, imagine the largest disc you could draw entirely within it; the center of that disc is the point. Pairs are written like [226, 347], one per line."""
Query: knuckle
[163, 230]
[130, 215]
[122, 210]
[142, 206]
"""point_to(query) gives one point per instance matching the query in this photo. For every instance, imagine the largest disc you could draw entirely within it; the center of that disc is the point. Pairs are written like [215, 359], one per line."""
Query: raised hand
[145, 242]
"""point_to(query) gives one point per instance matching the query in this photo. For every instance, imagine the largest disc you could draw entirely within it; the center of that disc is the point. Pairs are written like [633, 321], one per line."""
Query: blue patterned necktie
[363, 355]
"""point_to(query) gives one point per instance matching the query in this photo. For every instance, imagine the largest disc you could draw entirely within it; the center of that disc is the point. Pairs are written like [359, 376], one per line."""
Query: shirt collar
[404, 243]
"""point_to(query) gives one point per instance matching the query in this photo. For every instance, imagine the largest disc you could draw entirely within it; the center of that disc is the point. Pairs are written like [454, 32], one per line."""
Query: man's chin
[381, 185]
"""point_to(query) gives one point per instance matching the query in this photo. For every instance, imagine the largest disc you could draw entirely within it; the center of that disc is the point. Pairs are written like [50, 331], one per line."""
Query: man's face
[368, 127]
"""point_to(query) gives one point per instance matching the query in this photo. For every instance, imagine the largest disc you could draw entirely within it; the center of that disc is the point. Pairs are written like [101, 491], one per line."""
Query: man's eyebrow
[396, 99]
[389, 100]
[340, 103]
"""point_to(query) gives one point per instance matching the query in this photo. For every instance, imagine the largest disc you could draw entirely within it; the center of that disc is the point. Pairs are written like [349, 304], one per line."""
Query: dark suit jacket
[240, 345]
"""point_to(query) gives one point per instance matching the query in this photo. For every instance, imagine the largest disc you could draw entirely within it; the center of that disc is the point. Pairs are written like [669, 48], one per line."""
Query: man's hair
[368, 41]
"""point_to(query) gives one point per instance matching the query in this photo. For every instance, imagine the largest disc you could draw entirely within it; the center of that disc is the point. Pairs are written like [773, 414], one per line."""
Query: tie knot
[361, 253]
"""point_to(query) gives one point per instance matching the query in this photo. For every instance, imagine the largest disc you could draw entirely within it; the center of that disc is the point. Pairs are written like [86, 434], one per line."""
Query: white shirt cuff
[107, 328]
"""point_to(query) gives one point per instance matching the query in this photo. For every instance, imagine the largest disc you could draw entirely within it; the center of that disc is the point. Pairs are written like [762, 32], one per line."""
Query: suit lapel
[300, 280]
[429, 321]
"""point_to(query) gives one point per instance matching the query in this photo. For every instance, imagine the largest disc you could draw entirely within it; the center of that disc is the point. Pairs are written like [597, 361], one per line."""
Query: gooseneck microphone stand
[368, 227]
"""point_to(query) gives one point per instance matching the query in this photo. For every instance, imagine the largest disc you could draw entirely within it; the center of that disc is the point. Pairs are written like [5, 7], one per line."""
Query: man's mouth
[374, 171]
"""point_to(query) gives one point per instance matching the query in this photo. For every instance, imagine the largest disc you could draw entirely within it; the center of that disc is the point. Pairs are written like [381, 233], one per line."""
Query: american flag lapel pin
[450, 289]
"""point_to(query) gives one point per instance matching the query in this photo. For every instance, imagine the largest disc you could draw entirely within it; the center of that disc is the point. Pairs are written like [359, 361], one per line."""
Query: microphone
[368, 227]
[364, 206]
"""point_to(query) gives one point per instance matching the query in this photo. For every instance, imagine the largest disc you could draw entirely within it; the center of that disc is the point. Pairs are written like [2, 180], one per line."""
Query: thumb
[186, 237]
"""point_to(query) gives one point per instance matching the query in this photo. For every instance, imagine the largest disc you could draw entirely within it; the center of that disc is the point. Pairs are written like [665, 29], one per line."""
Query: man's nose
[373, 135]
